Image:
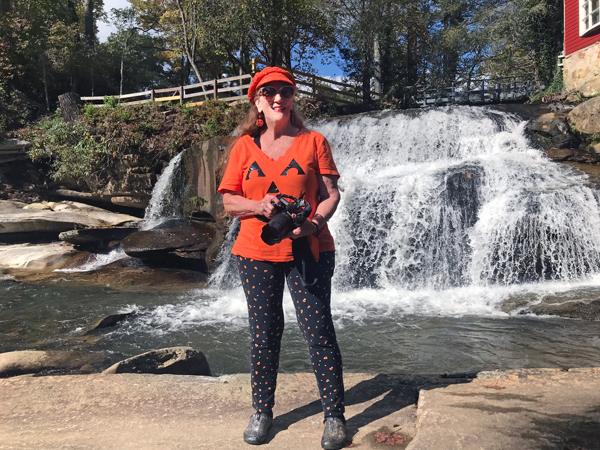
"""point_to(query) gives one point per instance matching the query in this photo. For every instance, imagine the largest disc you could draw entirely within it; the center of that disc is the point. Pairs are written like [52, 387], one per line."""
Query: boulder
[569, 154]
[11, 205]
[33, 221]
[37, 207]
[565, 140]
[109, 321]
[49, 362]
[594, 148]
[586, 117]
[173, 361]
[131, 201]
[96, 238]
[202, 163]
[548, 123]
[37, 256]
[152, 244]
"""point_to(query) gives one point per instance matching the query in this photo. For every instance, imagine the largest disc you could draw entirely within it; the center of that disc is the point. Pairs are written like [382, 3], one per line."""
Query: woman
[276, 154]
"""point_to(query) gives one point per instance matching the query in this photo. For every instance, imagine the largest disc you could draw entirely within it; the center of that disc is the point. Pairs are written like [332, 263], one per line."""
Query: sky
[105, 29]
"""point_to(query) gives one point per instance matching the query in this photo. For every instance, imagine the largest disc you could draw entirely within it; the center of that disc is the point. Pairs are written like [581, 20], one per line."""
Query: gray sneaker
[259, 425]
[334, 435]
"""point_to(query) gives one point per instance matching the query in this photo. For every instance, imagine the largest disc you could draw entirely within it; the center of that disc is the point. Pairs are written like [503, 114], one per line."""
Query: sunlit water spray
[445, 212]
[167, 196]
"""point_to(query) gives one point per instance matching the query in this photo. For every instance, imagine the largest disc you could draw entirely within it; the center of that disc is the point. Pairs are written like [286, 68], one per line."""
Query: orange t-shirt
[254, 174]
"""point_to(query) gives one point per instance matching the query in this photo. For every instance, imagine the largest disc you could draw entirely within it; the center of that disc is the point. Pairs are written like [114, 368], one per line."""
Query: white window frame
[586, 27]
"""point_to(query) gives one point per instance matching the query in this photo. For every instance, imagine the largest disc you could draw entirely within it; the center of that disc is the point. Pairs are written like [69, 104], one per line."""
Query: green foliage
[110, 100]
[91, 150]
[555, 87]
[74, 152]
[198, 202]
[14, 111]
[89, 111]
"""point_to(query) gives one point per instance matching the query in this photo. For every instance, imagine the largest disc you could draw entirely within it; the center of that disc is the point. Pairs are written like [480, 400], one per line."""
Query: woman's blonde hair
[248, 126]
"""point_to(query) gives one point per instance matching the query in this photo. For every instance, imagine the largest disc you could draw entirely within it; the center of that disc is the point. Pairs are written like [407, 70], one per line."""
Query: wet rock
[174, 361]
[37, 257]
[56, 221]
[96, 238]
[549, 123]
[586, 117]
[565, 140]
[569, 154]
[594, 148]
[47, 362]
[202, 163]
[153, 244]
[131, 201]
[109, 321]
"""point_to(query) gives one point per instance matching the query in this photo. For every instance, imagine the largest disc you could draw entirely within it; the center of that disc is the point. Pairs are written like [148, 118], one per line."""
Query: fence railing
[474, 91]
[235, 89]
[312, 85]
[230, 89]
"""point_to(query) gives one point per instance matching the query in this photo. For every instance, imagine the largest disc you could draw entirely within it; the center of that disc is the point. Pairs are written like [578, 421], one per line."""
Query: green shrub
[105, 140]
[89, 111]
[555, 87]
[110, 100]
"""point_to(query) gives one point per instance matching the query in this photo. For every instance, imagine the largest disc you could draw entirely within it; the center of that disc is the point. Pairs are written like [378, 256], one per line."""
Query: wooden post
[69, 106]
[215, 88]
[482, 91]
[314, 87]
[181, 94]
[253, 65]
[151, 95]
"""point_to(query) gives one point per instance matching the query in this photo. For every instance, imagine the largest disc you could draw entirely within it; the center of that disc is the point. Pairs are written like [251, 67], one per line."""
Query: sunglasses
[286, 92]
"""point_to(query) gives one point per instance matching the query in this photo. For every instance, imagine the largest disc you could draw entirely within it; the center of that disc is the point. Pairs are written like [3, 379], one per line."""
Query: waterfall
[456, 197]
[167, 196]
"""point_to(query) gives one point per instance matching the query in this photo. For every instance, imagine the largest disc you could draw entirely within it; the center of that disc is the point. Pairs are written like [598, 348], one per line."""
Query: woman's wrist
[316, 225]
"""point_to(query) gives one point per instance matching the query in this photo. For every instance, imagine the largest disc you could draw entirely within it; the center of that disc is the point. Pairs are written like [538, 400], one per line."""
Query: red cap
[267, 75]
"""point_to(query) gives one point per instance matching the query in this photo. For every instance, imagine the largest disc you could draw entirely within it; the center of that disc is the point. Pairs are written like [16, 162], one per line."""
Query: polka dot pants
[263, 284]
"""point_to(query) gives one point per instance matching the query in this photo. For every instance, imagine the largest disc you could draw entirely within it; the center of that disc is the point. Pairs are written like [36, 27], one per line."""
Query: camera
[283, 222]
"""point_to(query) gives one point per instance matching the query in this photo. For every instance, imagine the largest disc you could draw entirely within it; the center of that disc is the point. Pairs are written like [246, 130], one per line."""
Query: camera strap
[305, 263]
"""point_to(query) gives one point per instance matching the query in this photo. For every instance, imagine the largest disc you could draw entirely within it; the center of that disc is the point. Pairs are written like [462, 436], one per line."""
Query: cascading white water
[454, 198]
[167, 196]
[445, 212]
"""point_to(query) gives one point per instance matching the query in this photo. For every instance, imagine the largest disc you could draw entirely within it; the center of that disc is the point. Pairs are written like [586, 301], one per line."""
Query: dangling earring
[260, 122]
[292, 117]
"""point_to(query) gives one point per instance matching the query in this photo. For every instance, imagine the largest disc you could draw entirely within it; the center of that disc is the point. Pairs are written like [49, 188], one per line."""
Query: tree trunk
[89, 23]
[45, 81]
[190, 56]
[366, 77]
[69, 106]
[377, 65]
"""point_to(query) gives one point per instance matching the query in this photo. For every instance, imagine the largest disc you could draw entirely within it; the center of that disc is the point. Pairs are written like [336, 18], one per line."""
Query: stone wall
[582, 71]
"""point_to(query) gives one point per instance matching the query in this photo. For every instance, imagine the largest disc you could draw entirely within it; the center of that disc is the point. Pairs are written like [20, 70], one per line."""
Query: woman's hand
[306, 229]
[266, 207]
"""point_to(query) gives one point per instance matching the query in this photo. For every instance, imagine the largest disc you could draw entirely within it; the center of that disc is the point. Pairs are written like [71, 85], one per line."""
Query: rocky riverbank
[520, 409]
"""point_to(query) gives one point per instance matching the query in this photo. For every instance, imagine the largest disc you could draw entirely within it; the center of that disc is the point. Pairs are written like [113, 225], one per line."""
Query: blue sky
[104, 29]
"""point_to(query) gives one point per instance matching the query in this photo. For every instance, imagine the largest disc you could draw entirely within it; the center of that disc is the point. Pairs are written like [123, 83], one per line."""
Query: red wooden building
[581, 69]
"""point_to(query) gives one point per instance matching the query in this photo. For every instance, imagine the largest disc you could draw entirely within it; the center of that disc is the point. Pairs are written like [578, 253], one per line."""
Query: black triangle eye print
[273, 189]
[255, 167]
[293, 165]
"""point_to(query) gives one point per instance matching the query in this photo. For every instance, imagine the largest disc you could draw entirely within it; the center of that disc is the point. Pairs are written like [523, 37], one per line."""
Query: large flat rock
[524, 410]
[528, 409]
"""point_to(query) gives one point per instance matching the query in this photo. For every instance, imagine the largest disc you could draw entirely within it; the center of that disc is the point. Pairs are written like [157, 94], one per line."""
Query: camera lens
[278, 226]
